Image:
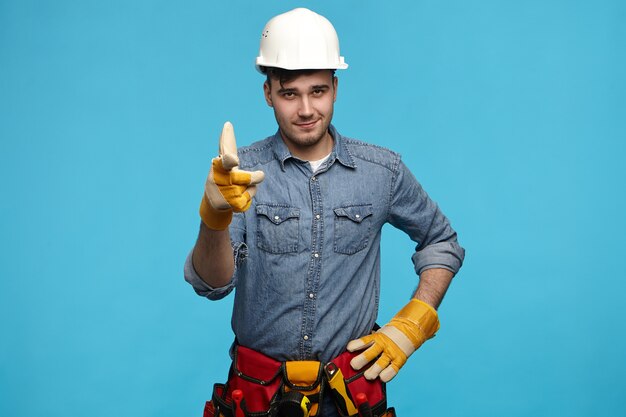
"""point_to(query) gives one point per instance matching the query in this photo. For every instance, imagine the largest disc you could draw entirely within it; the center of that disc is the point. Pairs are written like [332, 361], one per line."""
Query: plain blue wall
[511, 114]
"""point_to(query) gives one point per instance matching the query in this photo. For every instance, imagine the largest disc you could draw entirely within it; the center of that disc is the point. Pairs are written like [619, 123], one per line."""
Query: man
[302, 248]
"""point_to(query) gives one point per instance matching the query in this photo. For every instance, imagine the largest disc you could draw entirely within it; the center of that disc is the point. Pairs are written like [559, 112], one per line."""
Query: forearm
[415, 323]
[433, 285]
[213, 256]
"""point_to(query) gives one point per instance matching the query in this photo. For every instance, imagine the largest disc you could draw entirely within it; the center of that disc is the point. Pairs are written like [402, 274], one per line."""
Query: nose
[305, 110]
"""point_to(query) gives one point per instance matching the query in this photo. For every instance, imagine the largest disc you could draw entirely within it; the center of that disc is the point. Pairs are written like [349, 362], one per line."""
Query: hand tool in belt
[339, 390]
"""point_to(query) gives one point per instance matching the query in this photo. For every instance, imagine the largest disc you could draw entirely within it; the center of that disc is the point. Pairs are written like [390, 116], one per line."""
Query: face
[304, 108]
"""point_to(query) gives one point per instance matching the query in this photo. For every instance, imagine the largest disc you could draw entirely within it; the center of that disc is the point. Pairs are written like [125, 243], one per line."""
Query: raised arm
[227, 189]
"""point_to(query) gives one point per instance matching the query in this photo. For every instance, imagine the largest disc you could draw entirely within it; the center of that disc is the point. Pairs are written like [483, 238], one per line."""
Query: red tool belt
[265, 387]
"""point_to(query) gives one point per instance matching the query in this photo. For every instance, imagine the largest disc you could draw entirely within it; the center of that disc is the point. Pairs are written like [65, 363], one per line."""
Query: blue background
[511, 114]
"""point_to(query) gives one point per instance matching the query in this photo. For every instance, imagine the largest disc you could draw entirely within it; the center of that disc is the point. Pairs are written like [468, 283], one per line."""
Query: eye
[288, 95]
[318, 92]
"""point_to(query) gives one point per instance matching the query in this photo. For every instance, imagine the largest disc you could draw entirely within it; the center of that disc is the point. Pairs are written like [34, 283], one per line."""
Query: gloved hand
[396, 341]
[227, 188]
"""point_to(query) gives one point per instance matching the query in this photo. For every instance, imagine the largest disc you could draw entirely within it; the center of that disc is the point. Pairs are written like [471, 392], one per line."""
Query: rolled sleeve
[446, 255]
[202, 288]
[240, 253]
[412, 211]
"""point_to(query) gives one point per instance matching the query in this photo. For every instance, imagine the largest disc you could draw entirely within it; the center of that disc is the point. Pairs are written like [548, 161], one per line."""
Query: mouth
[307, 125]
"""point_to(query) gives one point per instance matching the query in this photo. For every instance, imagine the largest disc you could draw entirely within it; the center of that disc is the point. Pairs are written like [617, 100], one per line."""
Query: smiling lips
[307, 125]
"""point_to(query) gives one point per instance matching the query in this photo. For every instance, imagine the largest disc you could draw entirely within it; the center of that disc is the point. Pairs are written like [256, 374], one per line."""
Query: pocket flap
[303, 375]
[277, 214]
[254, 366]
[355, 213]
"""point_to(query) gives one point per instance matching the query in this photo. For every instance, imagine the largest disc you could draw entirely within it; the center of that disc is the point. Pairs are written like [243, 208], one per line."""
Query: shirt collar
[340, 151]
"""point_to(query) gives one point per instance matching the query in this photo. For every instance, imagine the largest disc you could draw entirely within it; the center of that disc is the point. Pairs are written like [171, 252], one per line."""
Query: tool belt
[265, 387]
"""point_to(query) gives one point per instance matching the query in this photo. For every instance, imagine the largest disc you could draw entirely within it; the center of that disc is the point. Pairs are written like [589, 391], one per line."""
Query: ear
[267, 93]
[335, 83]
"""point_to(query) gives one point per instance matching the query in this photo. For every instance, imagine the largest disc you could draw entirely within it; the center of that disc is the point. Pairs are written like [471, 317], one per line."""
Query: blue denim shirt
[307, 255]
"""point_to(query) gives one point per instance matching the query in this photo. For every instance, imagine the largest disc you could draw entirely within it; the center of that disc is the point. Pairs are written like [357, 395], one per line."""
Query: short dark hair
[285, 75]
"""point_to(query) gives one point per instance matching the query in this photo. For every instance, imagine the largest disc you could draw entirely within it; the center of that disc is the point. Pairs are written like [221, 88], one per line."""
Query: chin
[309, 140]
[305, 139]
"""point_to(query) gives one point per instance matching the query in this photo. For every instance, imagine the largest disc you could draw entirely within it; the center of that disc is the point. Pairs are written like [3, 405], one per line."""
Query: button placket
[312, 283]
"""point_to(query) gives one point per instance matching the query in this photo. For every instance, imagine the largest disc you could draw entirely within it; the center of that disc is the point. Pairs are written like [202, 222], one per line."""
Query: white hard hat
[299, 39]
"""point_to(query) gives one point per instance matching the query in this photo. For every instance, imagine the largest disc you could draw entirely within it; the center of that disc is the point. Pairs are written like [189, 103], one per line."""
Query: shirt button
[313, 178]
[358, 216]
[276, 218]
[317, 255]
[317, 216]
[311, 295]
[306, 337]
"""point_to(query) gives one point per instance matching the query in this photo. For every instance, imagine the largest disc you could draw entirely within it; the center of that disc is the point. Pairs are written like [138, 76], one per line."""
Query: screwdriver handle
[237, 398]
[364, 406]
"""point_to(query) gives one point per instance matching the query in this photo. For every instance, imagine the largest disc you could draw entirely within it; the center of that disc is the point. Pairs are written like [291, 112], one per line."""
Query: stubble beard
[306, 140]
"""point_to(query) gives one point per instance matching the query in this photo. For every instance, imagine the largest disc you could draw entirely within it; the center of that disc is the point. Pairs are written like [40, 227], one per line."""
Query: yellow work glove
[227, 188]
[396, 341]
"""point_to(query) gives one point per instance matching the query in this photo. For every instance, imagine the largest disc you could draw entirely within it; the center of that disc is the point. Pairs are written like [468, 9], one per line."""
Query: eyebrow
[313, 87]
[287, 90]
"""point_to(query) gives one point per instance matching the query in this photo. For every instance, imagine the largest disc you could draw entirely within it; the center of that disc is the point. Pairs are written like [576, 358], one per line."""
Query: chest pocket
[277, 228]
[352, 228]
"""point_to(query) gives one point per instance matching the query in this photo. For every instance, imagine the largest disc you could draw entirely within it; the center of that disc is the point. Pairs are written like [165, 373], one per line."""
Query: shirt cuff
[433, 266]
[447, 255]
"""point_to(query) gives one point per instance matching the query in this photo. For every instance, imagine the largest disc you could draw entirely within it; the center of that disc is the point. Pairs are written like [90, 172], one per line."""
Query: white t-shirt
[316, 164]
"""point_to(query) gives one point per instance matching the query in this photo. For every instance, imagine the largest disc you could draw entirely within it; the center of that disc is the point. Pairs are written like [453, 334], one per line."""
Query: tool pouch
[304, 378]
[293, 388]
[356, 383]
[258, 376]
[270, 388]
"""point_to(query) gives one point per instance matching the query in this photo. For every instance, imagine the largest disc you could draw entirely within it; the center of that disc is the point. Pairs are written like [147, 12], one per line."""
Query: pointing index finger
[228, 147]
